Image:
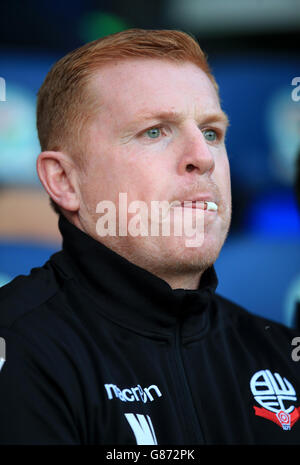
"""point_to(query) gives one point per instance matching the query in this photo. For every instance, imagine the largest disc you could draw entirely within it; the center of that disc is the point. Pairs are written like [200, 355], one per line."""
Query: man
[120, 338]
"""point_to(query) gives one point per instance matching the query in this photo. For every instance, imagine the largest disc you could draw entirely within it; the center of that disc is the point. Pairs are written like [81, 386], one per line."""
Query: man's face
[158, 135]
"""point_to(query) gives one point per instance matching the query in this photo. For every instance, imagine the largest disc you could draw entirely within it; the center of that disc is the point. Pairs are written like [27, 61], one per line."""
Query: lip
[191, 202]
[200, 198]
[194, 204]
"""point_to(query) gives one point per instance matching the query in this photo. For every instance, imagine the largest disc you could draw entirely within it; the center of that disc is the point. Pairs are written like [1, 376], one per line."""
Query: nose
[196, 154]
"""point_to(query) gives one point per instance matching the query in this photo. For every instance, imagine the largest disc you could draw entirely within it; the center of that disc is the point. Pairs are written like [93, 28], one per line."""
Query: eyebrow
[174, 116]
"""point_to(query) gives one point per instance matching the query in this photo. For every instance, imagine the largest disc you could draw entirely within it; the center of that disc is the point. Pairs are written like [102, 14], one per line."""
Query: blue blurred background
[253, 49]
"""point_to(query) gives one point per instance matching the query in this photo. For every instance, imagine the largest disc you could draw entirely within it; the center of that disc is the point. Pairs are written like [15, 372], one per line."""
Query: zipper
[192, 422]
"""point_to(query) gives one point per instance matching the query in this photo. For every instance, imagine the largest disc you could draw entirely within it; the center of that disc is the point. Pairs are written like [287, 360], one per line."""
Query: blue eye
[154, 133]
[210, 135]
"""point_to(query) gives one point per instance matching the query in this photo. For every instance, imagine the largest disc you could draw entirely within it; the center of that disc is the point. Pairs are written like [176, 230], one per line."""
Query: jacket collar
[127, 293]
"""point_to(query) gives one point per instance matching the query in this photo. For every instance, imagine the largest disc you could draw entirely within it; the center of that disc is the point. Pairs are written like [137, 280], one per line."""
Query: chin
[179, 257]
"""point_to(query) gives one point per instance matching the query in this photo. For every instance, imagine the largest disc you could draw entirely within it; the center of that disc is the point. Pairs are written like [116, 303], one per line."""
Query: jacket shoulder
[243, 318]
[27, 292]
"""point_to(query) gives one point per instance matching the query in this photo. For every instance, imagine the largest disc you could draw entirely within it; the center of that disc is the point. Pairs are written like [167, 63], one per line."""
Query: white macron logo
[133, 394]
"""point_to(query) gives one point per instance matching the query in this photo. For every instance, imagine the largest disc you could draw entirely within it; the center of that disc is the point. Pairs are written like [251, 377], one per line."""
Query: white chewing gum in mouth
[211, 206]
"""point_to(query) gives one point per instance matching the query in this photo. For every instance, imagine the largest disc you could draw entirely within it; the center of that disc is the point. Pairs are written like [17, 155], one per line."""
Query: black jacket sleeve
[34, 405]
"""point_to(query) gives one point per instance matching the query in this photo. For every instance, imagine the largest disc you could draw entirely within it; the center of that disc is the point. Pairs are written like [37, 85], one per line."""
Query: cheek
[142, 178]
[227, 177]
[98, 184]
[227, 189]
[222, 171]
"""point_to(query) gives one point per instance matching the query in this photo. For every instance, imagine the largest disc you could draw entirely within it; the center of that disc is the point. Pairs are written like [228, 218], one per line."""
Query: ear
[57, 173]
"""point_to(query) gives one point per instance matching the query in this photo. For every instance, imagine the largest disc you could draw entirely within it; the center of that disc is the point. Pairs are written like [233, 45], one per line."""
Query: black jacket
[100, 351]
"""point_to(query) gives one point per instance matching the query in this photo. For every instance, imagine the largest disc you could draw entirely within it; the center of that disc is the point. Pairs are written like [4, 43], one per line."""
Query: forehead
[132, 87]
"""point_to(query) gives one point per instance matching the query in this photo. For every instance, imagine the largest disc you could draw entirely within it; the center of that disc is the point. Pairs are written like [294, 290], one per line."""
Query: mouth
[198, 204]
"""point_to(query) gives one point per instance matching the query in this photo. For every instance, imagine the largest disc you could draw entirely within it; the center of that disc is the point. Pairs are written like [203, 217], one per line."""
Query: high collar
[127, 293]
